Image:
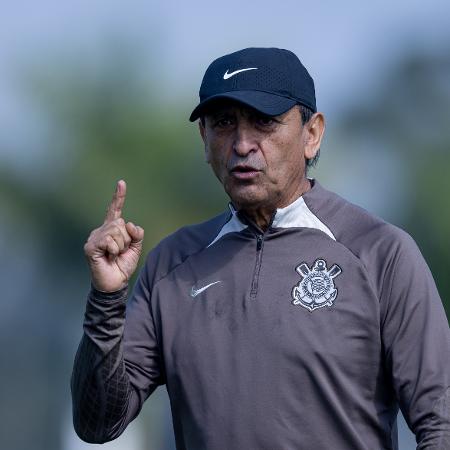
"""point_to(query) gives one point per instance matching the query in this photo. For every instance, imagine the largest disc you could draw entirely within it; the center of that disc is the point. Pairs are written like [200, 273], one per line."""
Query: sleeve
[416, 340]
[117, 365]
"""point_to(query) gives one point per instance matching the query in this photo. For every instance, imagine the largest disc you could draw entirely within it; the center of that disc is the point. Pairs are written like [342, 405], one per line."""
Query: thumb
[136, 233]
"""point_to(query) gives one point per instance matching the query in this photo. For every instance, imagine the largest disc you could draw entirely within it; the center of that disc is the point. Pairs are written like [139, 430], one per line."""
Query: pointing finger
[115, 207]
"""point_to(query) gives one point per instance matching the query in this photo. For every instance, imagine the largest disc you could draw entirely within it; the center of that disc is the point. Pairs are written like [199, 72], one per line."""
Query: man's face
[260, 160]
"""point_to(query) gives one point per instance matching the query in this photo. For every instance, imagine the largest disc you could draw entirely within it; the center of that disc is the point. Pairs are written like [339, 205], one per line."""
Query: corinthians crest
[316, 290]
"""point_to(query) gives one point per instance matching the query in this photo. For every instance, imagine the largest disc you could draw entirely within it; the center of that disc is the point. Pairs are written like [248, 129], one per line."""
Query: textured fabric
[101, 390]
[270, 80]
[308, 336]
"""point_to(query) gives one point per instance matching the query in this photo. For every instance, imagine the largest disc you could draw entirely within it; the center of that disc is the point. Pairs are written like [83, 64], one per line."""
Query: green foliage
[105, 129]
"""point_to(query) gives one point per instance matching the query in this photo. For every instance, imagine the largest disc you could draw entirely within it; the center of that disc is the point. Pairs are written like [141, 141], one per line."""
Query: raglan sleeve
[118, 362]
[416, 342]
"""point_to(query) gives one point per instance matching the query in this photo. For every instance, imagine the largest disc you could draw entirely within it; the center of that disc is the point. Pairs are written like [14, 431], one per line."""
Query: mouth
[243, 172]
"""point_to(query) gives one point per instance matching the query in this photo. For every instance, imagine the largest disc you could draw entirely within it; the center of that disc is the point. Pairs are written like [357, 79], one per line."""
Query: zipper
[255, 278]
[259, 234]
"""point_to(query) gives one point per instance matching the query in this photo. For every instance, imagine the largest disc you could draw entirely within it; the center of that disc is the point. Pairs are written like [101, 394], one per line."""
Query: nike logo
[195, 292]
[227, 75]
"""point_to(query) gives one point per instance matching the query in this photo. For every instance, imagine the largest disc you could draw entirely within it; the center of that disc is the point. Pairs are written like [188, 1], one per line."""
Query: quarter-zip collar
[299, 215]
[295, 215]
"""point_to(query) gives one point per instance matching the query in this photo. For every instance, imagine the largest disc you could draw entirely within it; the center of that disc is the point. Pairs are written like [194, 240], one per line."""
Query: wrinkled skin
[113, 249]
[260, 160]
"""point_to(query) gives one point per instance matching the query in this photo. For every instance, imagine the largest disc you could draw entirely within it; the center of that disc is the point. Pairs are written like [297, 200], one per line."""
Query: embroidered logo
[227, 75]
[195, 292]
[317, 289]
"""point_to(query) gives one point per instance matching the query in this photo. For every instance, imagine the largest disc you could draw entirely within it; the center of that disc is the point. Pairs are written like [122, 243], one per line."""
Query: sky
[345, 45]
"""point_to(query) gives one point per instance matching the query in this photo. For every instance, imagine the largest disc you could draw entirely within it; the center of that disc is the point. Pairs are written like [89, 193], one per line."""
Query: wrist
[98, 294]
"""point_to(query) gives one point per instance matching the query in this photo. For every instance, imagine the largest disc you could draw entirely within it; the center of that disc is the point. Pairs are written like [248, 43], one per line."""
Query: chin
[247, 199]
[249, 195]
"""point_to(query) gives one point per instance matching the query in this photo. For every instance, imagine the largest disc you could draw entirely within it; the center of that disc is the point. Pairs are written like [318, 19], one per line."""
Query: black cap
[270, 80]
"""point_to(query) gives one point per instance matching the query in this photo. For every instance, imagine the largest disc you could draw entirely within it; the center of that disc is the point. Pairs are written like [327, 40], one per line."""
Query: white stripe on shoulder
[297, 214]
[234, 225]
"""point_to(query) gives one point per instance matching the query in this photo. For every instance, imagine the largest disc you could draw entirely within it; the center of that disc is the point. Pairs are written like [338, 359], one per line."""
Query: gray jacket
[308, 336]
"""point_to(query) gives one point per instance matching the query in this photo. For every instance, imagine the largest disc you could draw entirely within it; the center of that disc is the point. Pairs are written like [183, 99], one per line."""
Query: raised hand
[113, 249]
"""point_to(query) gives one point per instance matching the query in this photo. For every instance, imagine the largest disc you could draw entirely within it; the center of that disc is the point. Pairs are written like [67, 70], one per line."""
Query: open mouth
[244, 172]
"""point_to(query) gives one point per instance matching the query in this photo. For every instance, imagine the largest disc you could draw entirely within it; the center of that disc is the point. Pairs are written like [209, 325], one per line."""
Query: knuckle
[97, 232]
[91, 235]
[110, 230]
[104, 228]
[113, 248]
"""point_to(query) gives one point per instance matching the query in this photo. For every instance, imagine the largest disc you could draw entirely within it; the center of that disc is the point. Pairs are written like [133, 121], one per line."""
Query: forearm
[435, 429]
[102, 397]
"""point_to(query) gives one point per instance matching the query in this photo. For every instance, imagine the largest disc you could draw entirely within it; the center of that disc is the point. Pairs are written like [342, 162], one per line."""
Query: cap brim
[264, 102]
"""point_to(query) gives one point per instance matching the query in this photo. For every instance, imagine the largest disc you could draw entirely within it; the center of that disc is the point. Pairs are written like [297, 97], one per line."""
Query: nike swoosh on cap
[227, 75]
[195, 292]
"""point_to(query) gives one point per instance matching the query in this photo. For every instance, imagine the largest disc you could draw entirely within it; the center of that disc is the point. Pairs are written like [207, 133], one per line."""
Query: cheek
[296, 157]
[287, 155]
[217, 161]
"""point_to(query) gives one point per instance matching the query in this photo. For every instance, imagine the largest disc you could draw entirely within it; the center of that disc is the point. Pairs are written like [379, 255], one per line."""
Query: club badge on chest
[316, 289]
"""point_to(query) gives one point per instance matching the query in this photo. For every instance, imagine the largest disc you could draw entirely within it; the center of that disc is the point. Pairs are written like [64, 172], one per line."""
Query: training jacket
[308, 336]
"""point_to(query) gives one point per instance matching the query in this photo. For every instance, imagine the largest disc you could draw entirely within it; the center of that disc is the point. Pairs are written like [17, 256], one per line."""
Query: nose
[244, 139]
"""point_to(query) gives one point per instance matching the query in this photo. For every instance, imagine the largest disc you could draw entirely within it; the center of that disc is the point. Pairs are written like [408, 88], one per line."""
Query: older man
[294, 320]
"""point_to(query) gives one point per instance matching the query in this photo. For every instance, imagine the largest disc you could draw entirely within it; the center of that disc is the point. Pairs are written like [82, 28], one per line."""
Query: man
[294, 320]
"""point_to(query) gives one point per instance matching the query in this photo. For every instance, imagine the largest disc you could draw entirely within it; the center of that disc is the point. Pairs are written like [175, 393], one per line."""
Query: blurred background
[95, 91]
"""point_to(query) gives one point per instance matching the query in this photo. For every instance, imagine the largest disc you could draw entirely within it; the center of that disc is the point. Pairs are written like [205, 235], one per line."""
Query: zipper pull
[259, 241]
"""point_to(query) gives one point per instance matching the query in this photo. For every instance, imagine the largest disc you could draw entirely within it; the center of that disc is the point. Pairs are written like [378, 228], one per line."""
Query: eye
[265, 122]
[223, 122]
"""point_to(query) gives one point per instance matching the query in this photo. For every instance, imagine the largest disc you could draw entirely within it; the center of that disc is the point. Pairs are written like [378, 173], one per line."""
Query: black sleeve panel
[103, 399]
[416, 339]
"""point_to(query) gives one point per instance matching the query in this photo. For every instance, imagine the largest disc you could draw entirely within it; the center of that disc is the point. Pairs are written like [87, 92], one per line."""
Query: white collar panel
[234, 225]
[297, 215]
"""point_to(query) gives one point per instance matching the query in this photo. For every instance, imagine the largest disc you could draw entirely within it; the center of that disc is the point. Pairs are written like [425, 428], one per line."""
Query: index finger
[115, 207]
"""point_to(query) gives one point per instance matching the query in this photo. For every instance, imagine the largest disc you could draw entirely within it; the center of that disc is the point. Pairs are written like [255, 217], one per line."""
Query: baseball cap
[270, 80]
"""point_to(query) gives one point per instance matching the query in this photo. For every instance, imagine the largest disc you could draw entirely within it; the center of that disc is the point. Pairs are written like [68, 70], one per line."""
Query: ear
[313, 133]
[202, 130]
